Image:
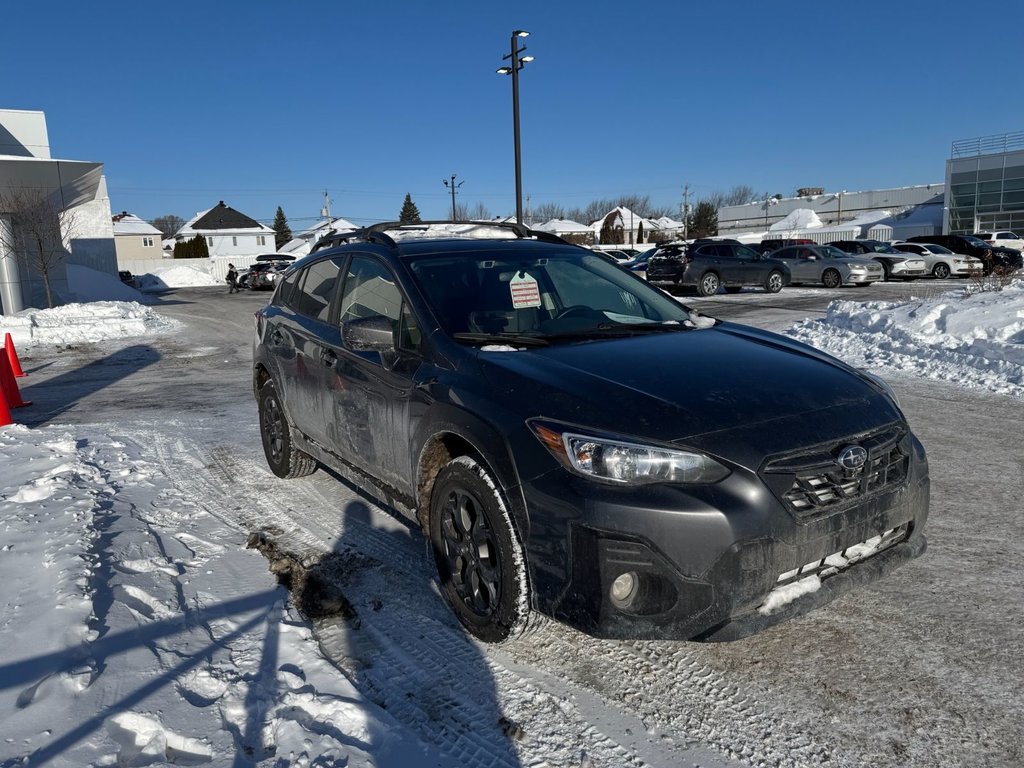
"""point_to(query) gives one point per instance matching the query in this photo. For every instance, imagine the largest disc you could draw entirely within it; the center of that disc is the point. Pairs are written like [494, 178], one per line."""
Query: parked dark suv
[710, 265]
[993, 257]
[576, 443]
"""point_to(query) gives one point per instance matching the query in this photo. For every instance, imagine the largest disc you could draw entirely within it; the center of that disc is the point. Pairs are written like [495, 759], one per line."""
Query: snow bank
[973, 338]
[78, 323]
[86, 284]
[180, 276]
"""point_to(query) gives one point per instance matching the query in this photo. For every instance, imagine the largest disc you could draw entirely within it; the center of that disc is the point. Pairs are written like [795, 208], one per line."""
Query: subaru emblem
[852, 457]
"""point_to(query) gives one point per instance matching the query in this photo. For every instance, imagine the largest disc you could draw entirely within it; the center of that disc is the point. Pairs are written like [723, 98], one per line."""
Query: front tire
[479, 559]
[773, 283]
[709, 284]
[284, 458]
[941, 271]
[831, 278]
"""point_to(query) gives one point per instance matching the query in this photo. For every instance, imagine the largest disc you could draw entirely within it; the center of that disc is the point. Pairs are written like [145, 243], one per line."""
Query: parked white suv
[1003, 239]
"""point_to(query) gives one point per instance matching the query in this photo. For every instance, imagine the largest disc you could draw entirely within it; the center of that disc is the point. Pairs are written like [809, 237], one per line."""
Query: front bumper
[704, 560]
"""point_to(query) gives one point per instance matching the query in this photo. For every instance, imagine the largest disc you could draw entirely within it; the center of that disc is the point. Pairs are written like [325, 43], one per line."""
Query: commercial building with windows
[985, 185]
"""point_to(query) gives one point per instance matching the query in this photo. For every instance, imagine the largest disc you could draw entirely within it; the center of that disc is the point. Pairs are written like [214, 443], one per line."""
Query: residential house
[135, 239]
[228, 232]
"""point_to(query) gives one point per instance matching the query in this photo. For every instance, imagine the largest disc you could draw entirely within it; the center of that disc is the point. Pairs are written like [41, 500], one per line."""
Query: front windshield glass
[562, 291]
[975, 241]
[938, 249]
[884, 248]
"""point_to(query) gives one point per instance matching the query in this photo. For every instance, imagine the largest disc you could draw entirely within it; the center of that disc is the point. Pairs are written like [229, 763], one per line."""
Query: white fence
[215, 266]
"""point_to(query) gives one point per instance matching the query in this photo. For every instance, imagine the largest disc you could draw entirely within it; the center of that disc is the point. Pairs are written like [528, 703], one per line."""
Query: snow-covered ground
[138, 629]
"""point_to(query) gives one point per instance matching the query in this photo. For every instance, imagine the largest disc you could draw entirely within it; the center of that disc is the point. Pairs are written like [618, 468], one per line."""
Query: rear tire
[284, 459]
[479, 558]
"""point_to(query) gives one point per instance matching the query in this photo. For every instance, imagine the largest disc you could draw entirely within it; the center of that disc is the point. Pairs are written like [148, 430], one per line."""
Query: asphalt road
[923, 669]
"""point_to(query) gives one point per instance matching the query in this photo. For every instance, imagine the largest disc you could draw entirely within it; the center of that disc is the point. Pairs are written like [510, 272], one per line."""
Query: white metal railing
[988, 145]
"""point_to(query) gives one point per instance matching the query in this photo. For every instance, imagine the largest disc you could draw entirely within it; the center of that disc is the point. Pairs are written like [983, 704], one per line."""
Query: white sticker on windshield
[525, 291]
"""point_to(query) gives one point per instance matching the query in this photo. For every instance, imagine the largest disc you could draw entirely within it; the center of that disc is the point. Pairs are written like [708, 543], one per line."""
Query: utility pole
[686, 211]
[325, 212]
[453, 186]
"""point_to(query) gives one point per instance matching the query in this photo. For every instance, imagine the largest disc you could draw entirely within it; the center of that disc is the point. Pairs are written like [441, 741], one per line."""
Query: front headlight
[619, 460]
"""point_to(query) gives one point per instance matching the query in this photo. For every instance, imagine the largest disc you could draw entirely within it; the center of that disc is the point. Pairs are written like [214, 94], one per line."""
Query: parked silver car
[828, 265]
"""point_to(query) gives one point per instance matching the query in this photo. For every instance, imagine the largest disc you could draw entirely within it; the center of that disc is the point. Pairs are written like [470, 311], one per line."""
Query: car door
[367, 409]
[752, 270]
[312, 333]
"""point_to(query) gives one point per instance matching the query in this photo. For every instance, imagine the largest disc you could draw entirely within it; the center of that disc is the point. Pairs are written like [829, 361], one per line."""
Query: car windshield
[975, 241]
[938, 249]
[883, 248]
[564, 292]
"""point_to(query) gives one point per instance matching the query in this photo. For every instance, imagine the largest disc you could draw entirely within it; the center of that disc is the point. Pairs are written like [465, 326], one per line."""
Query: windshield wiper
[501, 338]
[613, 331]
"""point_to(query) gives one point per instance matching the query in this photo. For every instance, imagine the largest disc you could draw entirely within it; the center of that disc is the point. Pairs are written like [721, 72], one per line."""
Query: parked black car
[896, 264]
[993, 257]
[576, 443]
[709, 265]
[773, 244]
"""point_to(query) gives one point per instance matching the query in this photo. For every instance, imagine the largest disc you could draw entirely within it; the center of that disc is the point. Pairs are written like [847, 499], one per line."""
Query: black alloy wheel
[478, 557]
[831, 278]
[284, 459]
[941, 271]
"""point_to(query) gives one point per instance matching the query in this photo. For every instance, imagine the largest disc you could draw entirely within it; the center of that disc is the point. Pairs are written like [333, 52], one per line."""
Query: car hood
[695, 387]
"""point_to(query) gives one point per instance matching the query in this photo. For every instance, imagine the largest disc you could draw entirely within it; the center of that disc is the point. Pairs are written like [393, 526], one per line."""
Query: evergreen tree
[410, 213]
[282, 232]
[703, 221]
[640, 233]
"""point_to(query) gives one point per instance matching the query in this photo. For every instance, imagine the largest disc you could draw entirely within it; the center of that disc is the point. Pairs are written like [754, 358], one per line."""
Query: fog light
[624, 588]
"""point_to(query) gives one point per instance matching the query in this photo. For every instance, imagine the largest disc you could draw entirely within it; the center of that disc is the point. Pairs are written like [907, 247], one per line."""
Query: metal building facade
[985, 179]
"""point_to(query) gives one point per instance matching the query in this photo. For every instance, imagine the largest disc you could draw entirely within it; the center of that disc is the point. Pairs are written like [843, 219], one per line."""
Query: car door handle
[328, 358]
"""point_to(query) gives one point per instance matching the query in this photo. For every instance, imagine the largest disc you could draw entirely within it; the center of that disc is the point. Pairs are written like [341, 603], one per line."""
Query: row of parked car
[710, 265]
[264, 274]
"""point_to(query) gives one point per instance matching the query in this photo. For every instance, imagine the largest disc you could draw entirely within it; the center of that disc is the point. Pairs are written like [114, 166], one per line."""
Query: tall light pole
[516, 63]
[453, 187]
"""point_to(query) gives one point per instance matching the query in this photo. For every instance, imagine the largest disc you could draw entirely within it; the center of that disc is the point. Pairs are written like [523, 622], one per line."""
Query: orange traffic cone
[12, 356]
[10, 386]
[5, 412]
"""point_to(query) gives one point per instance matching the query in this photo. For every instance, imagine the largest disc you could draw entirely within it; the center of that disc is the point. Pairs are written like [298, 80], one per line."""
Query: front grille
[813, 483]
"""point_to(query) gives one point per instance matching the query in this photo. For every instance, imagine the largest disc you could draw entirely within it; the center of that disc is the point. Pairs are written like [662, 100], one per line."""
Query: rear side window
[312, 296]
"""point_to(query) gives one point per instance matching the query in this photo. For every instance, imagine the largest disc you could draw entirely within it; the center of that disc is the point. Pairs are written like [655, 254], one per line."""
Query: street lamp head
[526, 59]
[504, 70]
[520, 33]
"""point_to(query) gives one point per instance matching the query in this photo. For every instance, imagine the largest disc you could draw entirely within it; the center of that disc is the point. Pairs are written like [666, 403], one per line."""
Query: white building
[228, 232]
[74, 192]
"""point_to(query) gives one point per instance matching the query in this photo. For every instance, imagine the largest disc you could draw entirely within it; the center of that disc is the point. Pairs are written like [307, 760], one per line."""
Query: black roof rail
[377, 233]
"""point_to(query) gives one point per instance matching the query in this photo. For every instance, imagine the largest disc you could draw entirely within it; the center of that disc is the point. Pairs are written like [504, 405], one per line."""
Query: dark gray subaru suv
[576, 443]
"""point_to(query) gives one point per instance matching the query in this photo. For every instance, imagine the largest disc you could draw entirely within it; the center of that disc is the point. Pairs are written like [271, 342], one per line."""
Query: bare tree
[478, 212]
[548, 211]
[38, 232]
[168, 224]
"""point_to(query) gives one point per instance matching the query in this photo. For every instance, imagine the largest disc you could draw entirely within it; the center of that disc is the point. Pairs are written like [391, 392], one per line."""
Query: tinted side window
[284, 291]
[371, 290]
[312, 296]
[745, 253]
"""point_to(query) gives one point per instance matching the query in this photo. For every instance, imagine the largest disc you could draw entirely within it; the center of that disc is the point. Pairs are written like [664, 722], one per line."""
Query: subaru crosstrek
[576, 443]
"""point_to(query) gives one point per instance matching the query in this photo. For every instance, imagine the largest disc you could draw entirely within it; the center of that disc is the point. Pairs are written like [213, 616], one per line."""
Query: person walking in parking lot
[232, 279]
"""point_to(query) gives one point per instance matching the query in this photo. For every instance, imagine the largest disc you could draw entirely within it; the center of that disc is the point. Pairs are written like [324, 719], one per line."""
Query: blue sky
[262, 104]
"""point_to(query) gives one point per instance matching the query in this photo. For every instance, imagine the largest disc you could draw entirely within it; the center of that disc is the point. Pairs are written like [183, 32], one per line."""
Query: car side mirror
[369, 334]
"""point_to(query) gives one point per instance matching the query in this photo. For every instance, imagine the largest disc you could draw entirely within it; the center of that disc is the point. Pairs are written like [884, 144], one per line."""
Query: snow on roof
[129, 224]
[801, 218]
[630, 220]
[562, 225]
